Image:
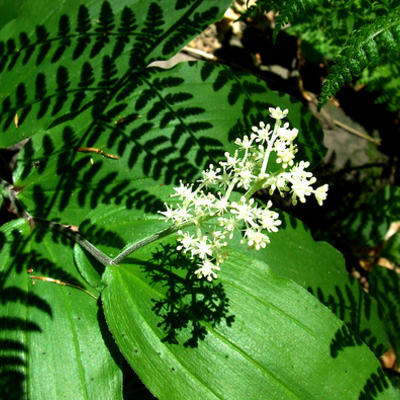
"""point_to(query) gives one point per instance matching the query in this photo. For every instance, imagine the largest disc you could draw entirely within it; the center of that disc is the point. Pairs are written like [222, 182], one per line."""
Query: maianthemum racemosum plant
[245, 170]
[77, 82]
[212, 198]
[370, 35]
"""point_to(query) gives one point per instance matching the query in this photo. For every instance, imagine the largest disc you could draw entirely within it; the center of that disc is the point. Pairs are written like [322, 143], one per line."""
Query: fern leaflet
[367, 47]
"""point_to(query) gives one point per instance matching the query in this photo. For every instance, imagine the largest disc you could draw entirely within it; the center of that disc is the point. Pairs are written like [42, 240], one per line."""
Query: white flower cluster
[245, 170]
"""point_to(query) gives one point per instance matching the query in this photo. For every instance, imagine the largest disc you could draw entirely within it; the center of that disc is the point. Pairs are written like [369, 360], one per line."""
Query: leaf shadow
[351, 305]
[376, 383]
[18, 301]
[385, 288]
[99, 70]
[189, 306]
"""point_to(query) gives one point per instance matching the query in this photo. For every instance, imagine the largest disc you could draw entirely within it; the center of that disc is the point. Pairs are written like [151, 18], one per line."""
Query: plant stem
[269, 148]
[94, 251]
[10, 192]
[256, 187]
[147, 240]
[78, 238]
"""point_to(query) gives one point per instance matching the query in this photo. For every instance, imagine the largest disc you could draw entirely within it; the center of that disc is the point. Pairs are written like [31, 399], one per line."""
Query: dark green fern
[288, 10]
[369, 46]
[361, 34]
[385, 81]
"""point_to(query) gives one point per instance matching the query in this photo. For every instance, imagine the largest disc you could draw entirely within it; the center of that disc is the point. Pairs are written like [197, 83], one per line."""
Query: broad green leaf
[9, 9]
[176, 122]
[54, 343]
[321, 269]
[59, 60]
[251, 327]
[292, 253]
[251, 335]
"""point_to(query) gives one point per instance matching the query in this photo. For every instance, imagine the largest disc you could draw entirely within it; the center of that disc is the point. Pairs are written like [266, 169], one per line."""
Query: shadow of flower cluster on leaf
[189, 303]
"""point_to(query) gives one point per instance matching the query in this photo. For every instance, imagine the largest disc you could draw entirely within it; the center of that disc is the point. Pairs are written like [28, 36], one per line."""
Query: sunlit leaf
[54, 343]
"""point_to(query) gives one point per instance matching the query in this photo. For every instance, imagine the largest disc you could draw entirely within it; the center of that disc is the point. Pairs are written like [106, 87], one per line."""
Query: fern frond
[260, 8]
[385, 80]
[368, 46]
[289, 11]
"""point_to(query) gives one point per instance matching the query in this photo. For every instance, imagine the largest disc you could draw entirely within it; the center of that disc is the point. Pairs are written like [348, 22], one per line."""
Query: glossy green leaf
[321, 269]
[251, 335]
[58, 60]
[186, 338]
[9, 9]
[54, 343]
[166, 127]
[292, 253]
[76, 56]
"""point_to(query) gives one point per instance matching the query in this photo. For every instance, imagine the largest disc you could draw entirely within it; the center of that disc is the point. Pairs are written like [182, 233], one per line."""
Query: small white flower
[263, 133]
[181, 215]
[280, 146]
[187, 241]
[245, 210]
[277, 113]
[256, 238]
[245, 143]
[245, 176]
[279, 182]
[184, 192]
[221, 205]
[287, 134]
[211, 176]
[286, 156]
[231, 161]
[321, 193]
[285, 153]
[298, 172]
[229, 225]
[202, 248]
[207, 270]
[169, 214]
[203, 203]
[269, 220]
[300, 189]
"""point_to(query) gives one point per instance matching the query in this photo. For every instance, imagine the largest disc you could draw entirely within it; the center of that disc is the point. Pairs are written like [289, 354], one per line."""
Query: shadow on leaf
[348, 308]
[190, 305]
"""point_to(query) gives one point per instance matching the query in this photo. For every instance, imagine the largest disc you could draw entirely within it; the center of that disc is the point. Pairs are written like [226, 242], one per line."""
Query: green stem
[269, 148]
[258, 184]
[10, 192]
[94, 251]
[229, 190]
[147, 240]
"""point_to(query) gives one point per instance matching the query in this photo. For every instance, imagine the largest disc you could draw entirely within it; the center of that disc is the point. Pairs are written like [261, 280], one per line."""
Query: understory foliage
[102, 287]
[360, 37]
